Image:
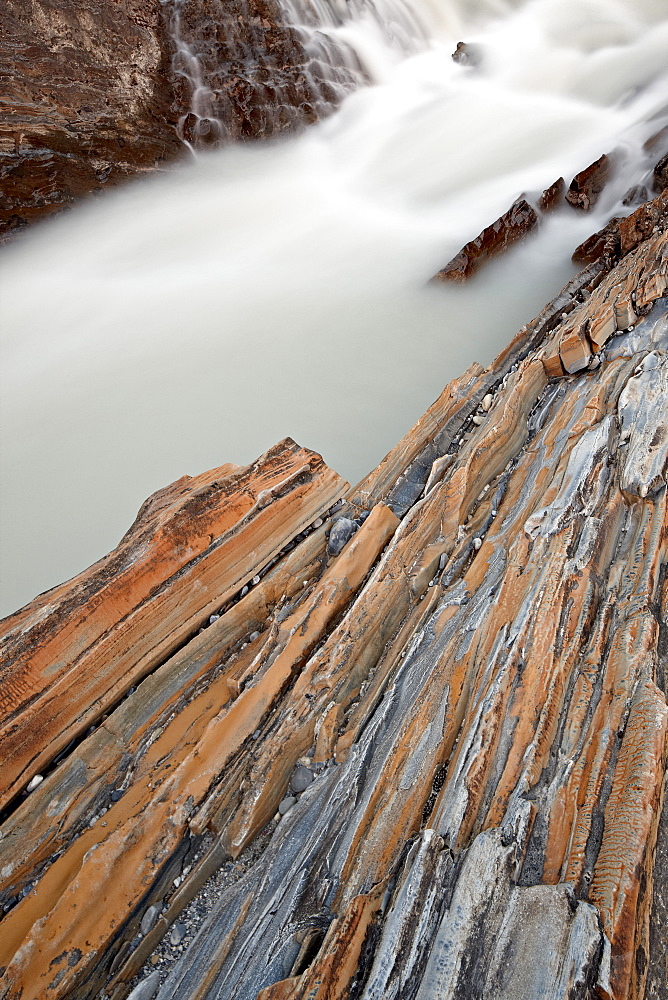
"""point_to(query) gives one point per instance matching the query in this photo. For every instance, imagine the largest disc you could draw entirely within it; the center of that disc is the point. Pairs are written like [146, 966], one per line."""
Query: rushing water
[281, 289]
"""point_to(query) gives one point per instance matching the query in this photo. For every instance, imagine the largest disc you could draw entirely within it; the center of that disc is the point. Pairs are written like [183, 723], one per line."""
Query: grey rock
[301, 779]
[286, 804]
[147, 989]
[149, 918]
[342, 530]
[177, 934]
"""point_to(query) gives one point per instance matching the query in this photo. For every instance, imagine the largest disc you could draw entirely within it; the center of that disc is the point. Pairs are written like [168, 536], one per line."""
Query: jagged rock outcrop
[262, 76]
[88, 101]
[449, 725]
[511, 227]
[96, 92]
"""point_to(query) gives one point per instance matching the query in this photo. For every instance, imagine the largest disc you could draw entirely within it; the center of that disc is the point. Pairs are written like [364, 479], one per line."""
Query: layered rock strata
[440, 697]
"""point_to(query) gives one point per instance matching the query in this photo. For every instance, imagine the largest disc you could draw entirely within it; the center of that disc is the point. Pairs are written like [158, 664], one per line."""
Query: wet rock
[605, 243]
[301, 779]
[149, 919]
[117, 102]
[552, 196]
[586, 187]
[105, 114]
[147, 989]
[467, 54]
[286, 804]
[342, 530]
[177, 934]
[636, 195]
[517, 222]
[660, 174]
[657, 144]
[640, 224]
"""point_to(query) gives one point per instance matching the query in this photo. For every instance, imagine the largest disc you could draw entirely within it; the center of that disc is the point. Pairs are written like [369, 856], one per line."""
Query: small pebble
[149, 919]
[341, 532]
[34, 782]
[442, 559]
[487, 402]
[244, 591]
[253, 636]
[147, 989]
[318, 523]
[478, 419]
[477, 542]
[213, 618]
[116, 794]
[286, 805]
[177, 934]
[301, 779]
[255, 581]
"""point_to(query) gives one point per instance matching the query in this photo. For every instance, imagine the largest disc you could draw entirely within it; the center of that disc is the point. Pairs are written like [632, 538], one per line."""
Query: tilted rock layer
[451, 728]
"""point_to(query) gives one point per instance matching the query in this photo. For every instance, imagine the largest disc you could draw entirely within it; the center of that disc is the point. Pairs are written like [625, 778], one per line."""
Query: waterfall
[246, 74]
[281, 288]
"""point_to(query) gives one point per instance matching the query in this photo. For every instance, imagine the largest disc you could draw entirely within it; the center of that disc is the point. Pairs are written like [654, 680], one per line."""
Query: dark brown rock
[639, 226]
[657, 143]
[604, 243]
[517, 222]
[636, 195]
[467, 55]
[89, 101]
[264, 77]
[97, 92]
[661, 174]
[586, 186]
[552, 196]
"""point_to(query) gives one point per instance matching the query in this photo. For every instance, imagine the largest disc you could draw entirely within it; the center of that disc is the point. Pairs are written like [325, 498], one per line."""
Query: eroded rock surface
[88, 101]
[514, 225]
[450, 731]
[95, 92]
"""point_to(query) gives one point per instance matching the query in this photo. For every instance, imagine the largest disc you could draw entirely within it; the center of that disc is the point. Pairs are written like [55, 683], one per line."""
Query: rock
[286, 804]
[517, 222]
[105, 115]
[586, 187]
[147, 989]
[149, 919]
[301, 779]
[640, 225]
[660, 174]
[657, 143]
[342, 530]
[136, 610]
[118, 102]
[552, 196]
[605, 243]
[177, 934]
[467, 54]
[636, 195]
[489, 730]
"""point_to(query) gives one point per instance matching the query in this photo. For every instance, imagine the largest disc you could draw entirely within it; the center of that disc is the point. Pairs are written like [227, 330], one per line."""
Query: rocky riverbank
[432, 707]
[98, 92]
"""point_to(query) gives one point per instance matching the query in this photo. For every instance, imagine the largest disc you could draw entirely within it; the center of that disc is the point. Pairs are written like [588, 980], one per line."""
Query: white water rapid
[281, 289]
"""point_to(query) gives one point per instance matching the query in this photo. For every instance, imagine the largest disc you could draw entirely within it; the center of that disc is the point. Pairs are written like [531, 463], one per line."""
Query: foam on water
[262, 291]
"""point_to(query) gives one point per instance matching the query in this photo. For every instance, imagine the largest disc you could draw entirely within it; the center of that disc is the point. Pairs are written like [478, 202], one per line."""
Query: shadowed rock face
[438, 698]
[262, 77]
[89, 101]
[96, 91]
